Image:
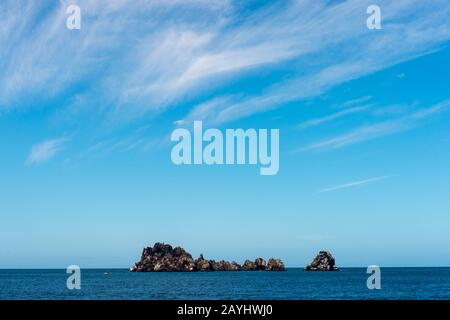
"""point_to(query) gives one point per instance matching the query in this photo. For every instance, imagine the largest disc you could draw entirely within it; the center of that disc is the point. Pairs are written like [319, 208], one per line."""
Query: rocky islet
[324, 261]
[163, 257]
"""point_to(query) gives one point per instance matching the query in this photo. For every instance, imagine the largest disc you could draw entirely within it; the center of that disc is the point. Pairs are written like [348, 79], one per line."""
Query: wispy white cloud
[353, 102]
[353, 184]
[344, 50]
[336, 115]
[45, 150]
[122, 70]
[372, 131]
[135, 57]
[138, 140]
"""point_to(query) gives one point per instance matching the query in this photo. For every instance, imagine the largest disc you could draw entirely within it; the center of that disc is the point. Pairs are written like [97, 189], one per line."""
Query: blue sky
[86, 116]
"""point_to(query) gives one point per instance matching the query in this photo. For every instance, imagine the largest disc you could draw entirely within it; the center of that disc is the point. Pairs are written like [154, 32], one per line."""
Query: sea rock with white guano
[324, 261]
[162, 257]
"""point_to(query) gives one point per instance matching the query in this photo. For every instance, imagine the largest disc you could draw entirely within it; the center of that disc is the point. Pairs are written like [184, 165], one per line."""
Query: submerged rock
[162, 257]
[324, 261]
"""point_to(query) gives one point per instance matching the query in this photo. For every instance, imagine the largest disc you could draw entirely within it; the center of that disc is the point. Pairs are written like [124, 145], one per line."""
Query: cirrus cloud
[45, 150]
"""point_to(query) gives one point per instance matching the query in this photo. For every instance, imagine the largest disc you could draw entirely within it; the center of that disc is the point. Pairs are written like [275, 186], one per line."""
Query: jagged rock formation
[260, 264]
[162, 257]
[274, 265]
[248, 266]
[324, 261]
[202, 264]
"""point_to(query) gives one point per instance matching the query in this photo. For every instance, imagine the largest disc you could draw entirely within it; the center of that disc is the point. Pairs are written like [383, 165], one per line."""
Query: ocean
[349, 283]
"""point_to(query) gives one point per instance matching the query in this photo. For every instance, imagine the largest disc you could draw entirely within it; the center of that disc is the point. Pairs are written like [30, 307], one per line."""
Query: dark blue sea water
[349, 283]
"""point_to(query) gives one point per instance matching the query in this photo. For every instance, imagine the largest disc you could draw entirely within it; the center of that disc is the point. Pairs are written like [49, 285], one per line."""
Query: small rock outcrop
[275, 265]
[324, 261]
[248, 266]
[202, 264]
[260, 264]
[162, 257]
